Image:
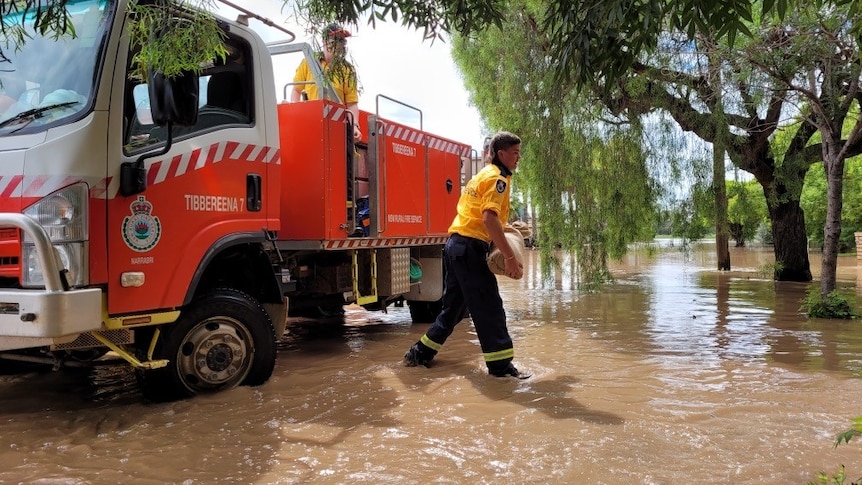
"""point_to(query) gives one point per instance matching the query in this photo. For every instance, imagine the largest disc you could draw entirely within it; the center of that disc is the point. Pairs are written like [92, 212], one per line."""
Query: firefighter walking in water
[483, 210]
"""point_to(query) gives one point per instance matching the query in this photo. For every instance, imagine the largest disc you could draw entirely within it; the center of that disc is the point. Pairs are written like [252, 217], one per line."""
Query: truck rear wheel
[424, 311]
[224, 339]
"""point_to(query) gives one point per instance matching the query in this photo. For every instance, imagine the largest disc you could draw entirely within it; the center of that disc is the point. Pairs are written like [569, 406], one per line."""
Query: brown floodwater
[674, 374]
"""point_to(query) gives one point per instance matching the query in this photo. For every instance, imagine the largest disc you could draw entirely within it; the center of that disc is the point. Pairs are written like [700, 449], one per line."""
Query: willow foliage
[588, 40]
[725, 95]
[173, 37]
[51, 19]
[587, 181]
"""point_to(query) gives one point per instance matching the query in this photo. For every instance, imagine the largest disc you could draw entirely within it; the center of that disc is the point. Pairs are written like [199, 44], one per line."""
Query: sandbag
[523, 228]
[496, 259]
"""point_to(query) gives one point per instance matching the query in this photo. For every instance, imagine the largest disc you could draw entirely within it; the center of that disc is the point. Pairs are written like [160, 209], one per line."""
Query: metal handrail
[324, 87]
[377, 107]
[295, 83]
[265, 20]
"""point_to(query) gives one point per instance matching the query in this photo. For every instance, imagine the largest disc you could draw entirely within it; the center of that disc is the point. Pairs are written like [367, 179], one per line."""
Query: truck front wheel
[224, 339]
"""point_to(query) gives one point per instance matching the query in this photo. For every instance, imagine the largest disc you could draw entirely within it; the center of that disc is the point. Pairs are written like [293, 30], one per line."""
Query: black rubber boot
[508, 371]
[419, 354]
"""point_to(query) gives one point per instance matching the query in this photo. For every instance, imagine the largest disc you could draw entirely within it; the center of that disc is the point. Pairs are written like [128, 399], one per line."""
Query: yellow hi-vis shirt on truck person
[343, 83]
[488, 190]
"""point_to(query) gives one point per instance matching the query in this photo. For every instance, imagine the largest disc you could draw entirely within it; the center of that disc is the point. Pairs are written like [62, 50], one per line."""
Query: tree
[743, 113]
[592, 45]
[746, 210]
[692, 218]
[722, 229]
[589, 184]
[814, 203]
[593, 42]
[675, 80]
[805, 66]
[587, 41]
[815, 55]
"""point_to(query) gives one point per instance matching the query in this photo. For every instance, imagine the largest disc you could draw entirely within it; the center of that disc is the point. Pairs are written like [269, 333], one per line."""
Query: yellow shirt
[487, 190]
[343, 84]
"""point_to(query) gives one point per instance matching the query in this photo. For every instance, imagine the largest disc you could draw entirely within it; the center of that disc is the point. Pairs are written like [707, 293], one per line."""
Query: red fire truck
[178, 246]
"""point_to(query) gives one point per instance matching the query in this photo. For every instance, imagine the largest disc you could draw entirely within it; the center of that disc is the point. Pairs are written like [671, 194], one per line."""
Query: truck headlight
[71, 256]
[63, 215]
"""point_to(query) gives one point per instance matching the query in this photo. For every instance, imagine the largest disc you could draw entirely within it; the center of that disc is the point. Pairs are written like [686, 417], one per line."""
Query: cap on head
[335, 32]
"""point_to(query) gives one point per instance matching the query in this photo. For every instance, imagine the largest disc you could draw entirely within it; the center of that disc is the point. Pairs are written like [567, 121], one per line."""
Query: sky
[393, 61]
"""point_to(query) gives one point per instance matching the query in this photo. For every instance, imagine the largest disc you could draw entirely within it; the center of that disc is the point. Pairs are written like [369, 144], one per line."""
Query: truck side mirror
[174, 100]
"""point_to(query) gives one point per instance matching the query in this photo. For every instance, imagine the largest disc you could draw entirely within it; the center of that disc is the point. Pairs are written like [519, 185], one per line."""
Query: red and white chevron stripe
[38, 186]
[45, 184]
[10, 185]
[391, 130]
[449, 146]
[405, 134]
[410, 135]
[334, 112]
[158, 171]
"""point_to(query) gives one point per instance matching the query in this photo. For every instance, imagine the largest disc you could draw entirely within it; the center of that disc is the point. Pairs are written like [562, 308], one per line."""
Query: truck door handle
[253, 192]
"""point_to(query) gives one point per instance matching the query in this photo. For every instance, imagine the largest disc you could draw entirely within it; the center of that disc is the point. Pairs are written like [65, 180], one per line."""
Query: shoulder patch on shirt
[501, 186]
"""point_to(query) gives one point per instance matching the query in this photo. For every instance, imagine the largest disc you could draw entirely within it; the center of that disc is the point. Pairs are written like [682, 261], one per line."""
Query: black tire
[424, 311]
[378, 306]
[223, 339]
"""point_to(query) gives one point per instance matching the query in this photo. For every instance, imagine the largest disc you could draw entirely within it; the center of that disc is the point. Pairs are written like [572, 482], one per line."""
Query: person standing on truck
[338, 70]
[486, 150]
[469, 284]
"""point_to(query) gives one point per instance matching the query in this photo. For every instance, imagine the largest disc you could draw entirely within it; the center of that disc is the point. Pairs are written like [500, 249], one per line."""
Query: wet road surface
[674, 374]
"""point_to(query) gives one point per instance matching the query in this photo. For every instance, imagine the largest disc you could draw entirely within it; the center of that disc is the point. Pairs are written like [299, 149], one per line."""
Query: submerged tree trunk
[832, 228]
[790, 242]
[789, 237]
[722, 230]
[722, 253]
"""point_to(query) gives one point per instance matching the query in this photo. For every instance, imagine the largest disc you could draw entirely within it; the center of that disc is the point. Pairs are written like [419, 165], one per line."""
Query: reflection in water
[673, 374]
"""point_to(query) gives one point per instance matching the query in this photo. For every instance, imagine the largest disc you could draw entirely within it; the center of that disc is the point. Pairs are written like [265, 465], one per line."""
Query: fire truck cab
[182, 246]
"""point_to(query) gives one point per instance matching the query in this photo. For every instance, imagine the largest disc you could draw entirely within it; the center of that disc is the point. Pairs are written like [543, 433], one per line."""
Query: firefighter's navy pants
[469, 284]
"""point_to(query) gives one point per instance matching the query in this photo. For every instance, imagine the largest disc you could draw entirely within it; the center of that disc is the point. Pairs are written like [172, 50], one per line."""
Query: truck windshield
[48, 82]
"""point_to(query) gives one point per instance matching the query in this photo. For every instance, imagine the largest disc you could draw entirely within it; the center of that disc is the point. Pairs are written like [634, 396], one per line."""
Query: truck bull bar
[35, 317]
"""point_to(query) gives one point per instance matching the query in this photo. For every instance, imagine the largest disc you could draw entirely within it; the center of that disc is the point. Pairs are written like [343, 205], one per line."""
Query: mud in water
[674, 374]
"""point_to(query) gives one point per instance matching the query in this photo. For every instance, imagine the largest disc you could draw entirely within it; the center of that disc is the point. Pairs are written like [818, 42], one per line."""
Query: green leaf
[845, 437]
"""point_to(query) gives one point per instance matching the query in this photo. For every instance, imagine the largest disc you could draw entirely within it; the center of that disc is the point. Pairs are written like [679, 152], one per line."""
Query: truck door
[208, 190]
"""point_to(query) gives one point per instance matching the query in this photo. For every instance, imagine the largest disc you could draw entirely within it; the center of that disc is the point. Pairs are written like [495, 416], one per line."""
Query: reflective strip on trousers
[499, 355]
[430, 343]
